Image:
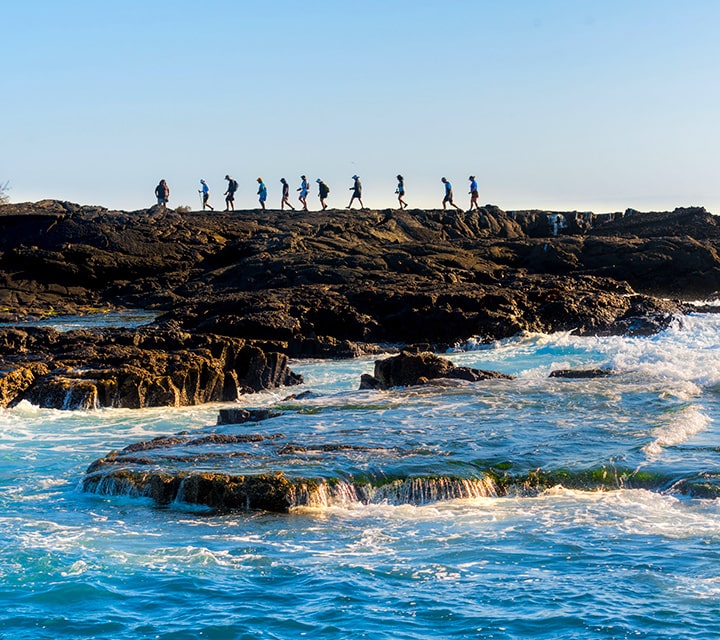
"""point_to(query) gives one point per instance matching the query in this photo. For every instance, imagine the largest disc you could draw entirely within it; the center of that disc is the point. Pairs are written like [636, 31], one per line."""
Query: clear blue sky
[558, 104]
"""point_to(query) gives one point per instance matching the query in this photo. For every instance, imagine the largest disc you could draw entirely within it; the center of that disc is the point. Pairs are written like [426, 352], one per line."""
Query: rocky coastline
[236, 296]
[239, 293]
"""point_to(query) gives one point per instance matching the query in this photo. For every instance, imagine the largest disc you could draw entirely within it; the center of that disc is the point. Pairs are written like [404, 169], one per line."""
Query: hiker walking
[448, 195]
[401, 192]
[474, 194]
[304, 189]
[162, 193]
[205, 190]
[230, 193]
[285, 195]
[262, 193]
[323, 191]
[356, 192]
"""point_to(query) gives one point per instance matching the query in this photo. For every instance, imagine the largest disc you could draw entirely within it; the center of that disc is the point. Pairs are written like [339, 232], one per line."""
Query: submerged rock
[581, 373]
[240, 416]
[129, 475]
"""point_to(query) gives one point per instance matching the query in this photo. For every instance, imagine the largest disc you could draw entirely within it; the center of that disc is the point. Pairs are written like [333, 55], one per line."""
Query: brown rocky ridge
[228, 287]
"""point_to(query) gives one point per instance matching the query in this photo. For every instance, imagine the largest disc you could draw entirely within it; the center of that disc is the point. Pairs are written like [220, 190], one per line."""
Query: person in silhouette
[401, 192]
[162, 193]
[323, 191]
[356, 192]
[285, 195]
[448, 199]
[262, 193]
[304, 189]
[230, 193]
[474, 194]
[205, 190]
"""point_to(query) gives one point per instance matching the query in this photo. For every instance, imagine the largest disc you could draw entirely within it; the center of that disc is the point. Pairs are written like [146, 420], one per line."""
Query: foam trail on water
[683, 426]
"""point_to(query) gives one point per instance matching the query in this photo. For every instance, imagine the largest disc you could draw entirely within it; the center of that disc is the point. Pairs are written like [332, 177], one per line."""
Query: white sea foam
[688, 351]
[681, 426]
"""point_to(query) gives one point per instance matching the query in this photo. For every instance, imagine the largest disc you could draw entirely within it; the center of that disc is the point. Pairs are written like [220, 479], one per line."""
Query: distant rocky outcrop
[327, 280]
[407, 369]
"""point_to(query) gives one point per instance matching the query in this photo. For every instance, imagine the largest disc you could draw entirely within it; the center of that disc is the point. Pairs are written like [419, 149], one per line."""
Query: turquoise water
[108, 320]
[567, 563]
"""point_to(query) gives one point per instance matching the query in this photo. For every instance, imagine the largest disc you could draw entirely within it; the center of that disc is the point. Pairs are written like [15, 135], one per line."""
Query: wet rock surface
[262, 469]
[408, 369]
[133, 369]
[581, 373]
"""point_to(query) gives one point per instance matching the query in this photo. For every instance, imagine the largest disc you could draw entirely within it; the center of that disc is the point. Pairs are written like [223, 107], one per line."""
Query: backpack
[234, 186]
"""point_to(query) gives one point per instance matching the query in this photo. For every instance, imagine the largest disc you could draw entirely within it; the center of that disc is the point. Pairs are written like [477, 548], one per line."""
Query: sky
[552, 104]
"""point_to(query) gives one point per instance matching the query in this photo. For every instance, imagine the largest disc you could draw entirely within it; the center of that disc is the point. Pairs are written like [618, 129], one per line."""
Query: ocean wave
[681, 427]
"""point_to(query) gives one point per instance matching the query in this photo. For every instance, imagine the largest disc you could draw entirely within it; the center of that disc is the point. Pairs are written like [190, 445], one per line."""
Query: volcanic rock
[322, 284]
[407, 369]
[581, 373]
[240, 416]
[133, 369]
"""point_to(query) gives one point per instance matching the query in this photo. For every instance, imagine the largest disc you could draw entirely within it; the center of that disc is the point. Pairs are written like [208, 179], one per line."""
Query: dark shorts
[205, 197]
[230, 197]
[447, 198]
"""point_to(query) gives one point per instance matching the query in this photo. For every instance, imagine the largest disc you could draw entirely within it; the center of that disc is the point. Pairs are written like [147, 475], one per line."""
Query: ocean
[635, 557]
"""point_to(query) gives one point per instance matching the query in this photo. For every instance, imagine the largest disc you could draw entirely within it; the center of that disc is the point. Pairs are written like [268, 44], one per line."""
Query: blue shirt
[473, 187]
[205, 188]
[448, 188]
